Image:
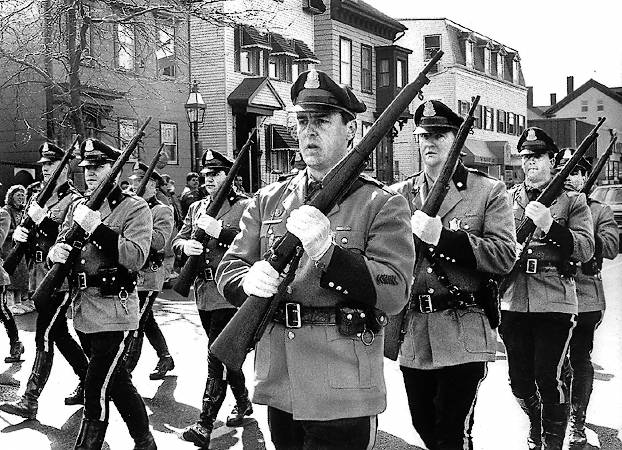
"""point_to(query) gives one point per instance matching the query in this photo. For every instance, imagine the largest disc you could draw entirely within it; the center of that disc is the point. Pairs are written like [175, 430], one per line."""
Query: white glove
[426, 228]
[192, 247]
[261, 280]
[312, 228]
[36, 213]
[210, 225]
[519, 251]
[88, 219]
[20, 234]
[59, 253]
[540, 215]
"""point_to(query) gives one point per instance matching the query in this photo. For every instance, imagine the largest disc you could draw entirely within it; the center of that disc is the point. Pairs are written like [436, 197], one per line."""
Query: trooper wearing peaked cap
[564, 155]
[94, 152]
[214, 161]
[314, 90]
[50, 152]
[140, 169]
[535, 141]
[434, 116]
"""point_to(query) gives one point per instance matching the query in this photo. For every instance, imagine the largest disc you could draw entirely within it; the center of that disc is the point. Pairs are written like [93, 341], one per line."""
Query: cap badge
[313, 80]
[209, 155]
[531, 135]
[428, 109]
[88, 147]
[567, 154]
[45, 148]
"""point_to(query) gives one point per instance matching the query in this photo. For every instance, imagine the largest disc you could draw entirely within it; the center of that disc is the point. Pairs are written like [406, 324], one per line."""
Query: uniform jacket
[5, 224]
[547, 291]
[314, 372]
[123, 239]
[207, 296]
[162, 215]
[590, 287]
[47, 231]
[477, 240]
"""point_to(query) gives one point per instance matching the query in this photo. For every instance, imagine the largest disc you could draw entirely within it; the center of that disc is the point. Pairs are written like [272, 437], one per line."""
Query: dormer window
[516, 69]
[470, 49]
[488, 59]
[501, 64]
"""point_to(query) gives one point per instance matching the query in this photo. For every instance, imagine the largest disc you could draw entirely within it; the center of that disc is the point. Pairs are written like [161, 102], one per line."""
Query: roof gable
[256, 95]
[591, 83]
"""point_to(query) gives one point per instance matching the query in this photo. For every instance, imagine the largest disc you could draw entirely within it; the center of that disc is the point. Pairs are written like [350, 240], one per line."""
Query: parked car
[611, 194]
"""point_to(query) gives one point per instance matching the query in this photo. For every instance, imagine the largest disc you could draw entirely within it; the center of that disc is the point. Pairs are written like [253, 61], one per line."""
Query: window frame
[384, 77]
[175, 151]
[118, 47]
[367, 72]
[344, 40]
[501, 114]
[427, 57]
[123, 142]
[172, 22]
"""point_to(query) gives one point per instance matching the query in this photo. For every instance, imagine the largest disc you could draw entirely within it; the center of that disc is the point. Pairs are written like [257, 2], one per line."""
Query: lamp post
[195, 113]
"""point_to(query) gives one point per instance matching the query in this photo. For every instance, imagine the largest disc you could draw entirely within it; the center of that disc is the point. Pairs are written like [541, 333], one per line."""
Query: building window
[127, 130]
[369, 163]
[500, 66]
[488, 118]
[488, 60]
[600, 105]
[168, 136]
[463, 108]
[401, 74]
[584, 107]
[280, 68]
[431, 45]
[125, 47]
[469, 53]
[516, 70]
[385, 75]
[366, 68]
[249, 61]
[521, 124]
[511, 123]
[345, 61]
[165, 51]
[479, 122]
[298, 68]
[501, 121]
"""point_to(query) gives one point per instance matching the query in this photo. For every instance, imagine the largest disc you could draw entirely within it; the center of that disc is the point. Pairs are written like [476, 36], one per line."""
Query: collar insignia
[454, 224]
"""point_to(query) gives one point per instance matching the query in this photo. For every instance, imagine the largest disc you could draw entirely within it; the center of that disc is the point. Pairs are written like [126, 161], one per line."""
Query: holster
[489, 296]
[592, 267]
[352, 319]
[567, 268]
[154, 260]
[115, 280]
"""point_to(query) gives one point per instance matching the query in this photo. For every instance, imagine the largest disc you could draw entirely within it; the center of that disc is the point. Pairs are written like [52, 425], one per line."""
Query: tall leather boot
[145, 442]
[531, 407]
[554, 421]
[27, 406]
[214, 395]
[133, 352]
[91, 435]
[243, 406]
[577, 437]
[15, 352]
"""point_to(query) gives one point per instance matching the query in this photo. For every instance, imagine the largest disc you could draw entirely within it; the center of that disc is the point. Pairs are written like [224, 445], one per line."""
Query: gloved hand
[540, 215]
[312, 228]
[36, 213]
[426, 228]
[193, 247]
[59, 253]
[20, 234]
[88, 219]
[261, 280]
[210, 225]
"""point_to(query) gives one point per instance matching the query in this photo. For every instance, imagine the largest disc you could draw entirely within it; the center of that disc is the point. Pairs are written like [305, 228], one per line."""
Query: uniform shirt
[207, 296]
[162, 216]
[571, 237]
[477, 240]
[590, 290]
[314, 372]
[123, 239]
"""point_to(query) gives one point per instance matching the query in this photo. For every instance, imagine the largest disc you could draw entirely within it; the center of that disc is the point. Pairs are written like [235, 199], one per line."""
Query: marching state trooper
[591, 297]
[449, 338]
[151, 277]
[214, 311]
[51, 325]
[539, 306]
[319, 365]
[105, 308]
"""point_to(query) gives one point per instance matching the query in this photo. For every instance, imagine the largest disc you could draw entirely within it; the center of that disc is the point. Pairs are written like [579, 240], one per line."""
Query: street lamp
[195, 113]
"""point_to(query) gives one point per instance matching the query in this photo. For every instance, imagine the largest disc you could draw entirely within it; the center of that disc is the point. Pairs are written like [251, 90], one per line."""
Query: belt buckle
[532, 266]
[293, 317]
[38, 256]
[208, 274]
[425, 303]
[82, 280]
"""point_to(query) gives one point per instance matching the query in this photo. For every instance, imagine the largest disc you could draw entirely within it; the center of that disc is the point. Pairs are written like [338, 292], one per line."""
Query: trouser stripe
[102, 394]
[562, 358]
[373, 430]
[466, 443]
[46, 334]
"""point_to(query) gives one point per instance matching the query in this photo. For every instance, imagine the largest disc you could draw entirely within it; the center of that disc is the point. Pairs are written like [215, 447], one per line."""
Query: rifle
[154, 162]
[248, 324]
[192, 265]
[19, 249]
[593, 177]
[394, 331]
[76, 236]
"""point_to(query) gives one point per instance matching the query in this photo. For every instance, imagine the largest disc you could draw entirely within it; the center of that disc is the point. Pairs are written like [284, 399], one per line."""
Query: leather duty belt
[535, 265]
[295, 315]
[427, 303]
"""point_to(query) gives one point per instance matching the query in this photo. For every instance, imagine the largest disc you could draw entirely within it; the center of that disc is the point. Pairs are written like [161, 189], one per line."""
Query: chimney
[529, 96]
[569, 85]
[553, 99]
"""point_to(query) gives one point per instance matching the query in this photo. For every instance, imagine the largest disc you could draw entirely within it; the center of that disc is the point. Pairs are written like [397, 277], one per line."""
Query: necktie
[312, 188]
[533, 194]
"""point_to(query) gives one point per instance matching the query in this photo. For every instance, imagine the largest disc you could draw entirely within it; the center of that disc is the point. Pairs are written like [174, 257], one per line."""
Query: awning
[304, 53]
[281, 138]
[251, 38]
[478, 152]
[282, 46]
[255, 96]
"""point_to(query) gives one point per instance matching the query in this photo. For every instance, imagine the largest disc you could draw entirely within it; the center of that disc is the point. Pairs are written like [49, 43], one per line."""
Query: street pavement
[174, 403]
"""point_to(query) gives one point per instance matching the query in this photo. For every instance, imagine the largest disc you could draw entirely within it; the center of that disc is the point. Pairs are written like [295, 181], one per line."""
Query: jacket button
[529, 251]
[331, 284]
[431, 291]
[429, 270]
[291, 335]
[344, 240]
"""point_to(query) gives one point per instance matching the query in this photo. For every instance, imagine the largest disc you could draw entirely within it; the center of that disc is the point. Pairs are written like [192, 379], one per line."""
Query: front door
[384, 159]
[250, 167]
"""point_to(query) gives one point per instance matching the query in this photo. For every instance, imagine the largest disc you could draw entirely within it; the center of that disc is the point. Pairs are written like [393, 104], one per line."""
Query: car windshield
[614, 196]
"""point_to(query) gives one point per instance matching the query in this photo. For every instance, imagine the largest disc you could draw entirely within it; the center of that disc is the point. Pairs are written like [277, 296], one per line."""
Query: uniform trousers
[148, 324]
[581, 345]
[107, 378]
[6, 316]
[351, 433]
[213, 323]
[441, 403]
[536, 346]
[52, 329]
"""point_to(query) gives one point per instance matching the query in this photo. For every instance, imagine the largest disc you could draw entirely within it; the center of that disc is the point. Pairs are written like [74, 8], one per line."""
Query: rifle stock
[76, 236]
[19, 249]
[394, 332]
[248, 324]
[191, 267]
[593, 177]
[152, 165]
